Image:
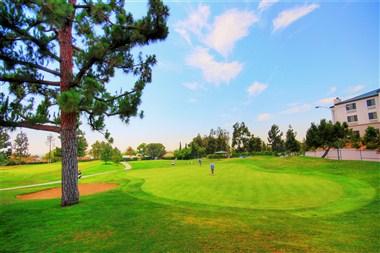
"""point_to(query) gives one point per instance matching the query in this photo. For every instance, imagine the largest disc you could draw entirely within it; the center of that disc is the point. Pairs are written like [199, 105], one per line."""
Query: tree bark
[70, 192]
[326, 152]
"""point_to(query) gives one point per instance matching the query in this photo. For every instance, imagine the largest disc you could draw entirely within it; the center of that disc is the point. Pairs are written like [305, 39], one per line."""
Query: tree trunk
[326, 152]
[70, 192]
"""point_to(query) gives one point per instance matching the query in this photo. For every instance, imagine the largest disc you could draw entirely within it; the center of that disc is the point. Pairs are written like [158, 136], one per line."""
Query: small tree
[141, 149]
[5, 146]
[155, 150]
[21, 145]
[106, 152]
[50, 142]
[254, 144]
[291, 144]
[275, 139]
[130, 151]
[81, 144]
[371, 138]
[183, 153]
[96, 149]
[116, 155]
[326, 135]
[241, 137]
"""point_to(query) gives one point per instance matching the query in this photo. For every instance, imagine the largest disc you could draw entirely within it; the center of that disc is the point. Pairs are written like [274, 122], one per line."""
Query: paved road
[126, 165]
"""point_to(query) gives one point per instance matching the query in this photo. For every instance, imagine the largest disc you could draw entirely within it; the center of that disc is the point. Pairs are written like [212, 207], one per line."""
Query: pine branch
[26, 124]
[116, 97]
[77, 48]
[29, 64]
[28, 80]
[82, 6]
[33, 39]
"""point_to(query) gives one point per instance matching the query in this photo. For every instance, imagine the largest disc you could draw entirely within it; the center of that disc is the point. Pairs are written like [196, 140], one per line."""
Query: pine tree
[56, 60]
[81, 143]
[291, 144]
[21, 145]
[275, 139]
[5, 146]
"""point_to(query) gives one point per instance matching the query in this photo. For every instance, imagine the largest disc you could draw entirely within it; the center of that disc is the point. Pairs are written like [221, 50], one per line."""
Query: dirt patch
[84, 189]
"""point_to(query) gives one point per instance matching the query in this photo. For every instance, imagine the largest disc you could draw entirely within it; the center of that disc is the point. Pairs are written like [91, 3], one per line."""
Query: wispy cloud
[329, 100]
[256, 88]
[287, 17]
[265, 4]
[332, 90]
[193, 86]
[228, 28]
[354, 90]
[297, 108]
[213, 71]
[264, 117]
[194, 23]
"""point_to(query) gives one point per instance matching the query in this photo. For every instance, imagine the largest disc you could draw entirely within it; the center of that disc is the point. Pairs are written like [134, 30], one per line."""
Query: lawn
[260, 204]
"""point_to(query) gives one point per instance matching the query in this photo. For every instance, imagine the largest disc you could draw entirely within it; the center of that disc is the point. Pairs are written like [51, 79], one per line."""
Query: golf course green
[260, 204]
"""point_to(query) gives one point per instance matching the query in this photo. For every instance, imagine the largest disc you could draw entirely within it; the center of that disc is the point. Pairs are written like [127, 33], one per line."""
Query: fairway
[260, 204]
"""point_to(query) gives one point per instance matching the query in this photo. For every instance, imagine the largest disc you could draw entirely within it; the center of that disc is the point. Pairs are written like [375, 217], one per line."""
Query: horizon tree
[57, 58]
[326, 135]
[275, 138]
[371, 138]
[155, 150]
[291, 143]
[241, 137]
[82, 144]
[5, 146]
[21, 145]
[106, 152]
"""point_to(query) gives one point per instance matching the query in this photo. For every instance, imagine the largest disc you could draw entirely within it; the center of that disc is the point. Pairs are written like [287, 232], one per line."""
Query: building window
[372, 115]
[351, 107]
[352, 118]
[371, 102]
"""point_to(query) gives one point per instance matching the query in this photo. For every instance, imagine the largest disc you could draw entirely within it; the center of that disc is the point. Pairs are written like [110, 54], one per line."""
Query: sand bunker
[84, 189]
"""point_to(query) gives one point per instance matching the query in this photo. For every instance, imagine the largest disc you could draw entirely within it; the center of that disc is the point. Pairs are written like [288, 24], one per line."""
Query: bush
[270, 153]
[130, 158]
[216, 156]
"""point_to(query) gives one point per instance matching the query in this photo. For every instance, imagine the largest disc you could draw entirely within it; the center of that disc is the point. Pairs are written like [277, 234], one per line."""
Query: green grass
[263, 204]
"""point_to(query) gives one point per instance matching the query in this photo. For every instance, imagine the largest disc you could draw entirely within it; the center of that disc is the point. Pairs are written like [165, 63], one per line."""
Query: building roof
[372, 93]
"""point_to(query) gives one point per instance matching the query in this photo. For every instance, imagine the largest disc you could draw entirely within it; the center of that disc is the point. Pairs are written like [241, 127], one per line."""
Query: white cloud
[256, 88]
[265, 4]
[264, 117]
[297, 108]
[213, 71]
[193, 86]
[228, 28]
[287, 17]
[355, 90]
[194, 23]
[329, 100]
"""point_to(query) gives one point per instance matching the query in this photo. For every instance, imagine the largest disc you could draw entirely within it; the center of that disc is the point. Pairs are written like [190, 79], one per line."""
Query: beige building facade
[358, 112]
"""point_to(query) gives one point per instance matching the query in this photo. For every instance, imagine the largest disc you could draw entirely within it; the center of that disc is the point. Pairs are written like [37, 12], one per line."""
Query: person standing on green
[212, 167]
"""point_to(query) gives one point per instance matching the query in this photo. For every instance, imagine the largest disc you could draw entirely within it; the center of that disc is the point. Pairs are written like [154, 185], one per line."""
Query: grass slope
[264, 204]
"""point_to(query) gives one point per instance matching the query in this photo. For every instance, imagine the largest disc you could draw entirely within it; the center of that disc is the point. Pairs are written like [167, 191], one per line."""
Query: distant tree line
[217, 140]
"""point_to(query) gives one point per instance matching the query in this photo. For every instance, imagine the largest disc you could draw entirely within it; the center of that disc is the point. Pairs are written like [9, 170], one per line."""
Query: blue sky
[259, 62]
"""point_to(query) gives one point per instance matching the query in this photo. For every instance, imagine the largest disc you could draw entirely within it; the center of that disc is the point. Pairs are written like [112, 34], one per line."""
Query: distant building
[359, 112]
